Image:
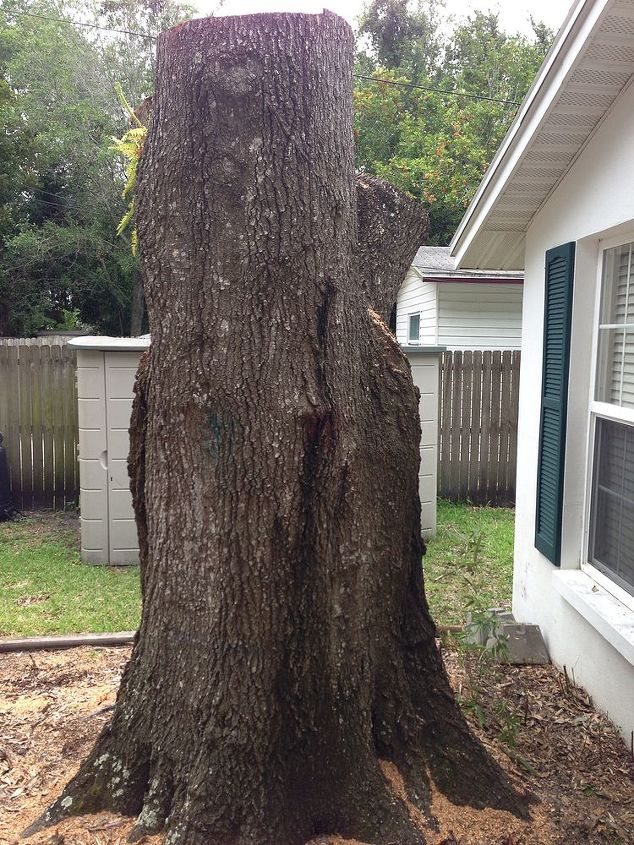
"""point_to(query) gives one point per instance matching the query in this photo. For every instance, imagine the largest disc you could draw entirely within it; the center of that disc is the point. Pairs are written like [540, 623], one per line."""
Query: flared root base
[380, 802]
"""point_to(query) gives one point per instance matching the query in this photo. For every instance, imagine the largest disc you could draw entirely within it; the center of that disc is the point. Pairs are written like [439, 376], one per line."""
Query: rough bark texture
[285, 646]
[391, 227]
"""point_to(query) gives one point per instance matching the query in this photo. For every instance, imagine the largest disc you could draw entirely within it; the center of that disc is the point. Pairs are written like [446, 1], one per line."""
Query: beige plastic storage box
[106, 369]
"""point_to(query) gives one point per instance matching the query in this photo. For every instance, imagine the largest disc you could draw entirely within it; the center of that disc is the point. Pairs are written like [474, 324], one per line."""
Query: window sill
[612, 619]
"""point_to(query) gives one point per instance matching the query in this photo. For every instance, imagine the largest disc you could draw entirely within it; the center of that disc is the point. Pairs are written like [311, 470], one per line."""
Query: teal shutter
[560, 265]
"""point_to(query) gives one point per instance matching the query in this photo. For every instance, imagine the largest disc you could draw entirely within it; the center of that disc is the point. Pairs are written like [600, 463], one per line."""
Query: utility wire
[437, 90]
[89, 25]
[356, 76]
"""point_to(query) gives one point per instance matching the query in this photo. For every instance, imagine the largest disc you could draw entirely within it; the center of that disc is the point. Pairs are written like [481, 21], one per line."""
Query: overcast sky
[514, 14]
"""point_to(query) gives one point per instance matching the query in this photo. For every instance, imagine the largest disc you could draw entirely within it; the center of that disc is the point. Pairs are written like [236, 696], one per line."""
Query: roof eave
[557, 65]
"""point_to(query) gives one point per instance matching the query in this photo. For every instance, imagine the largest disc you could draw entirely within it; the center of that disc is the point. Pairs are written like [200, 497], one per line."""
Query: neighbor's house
[558, 202]
[439, 305]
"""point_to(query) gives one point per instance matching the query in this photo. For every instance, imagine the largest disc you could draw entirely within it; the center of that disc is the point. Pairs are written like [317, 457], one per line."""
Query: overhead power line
[89, 25]
[445, 91]
[437, 90]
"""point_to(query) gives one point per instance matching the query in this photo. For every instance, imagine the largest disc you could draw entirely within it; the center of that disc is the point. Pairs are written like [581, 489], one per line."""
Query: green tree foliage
[60, 184]
[402, 35]
[438, 146]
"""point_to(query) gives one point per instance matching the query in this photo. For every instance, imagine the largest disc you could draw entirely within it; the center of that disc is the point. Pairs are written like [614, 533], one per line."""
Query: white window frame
[409, 326]
[602, 410]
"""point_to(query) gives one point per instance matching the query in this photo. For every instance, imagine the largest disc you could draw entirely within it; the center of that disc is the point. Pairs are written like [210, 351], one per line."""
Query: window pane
[612, 539]
[616, 367]
[414, 326]
[615, 371]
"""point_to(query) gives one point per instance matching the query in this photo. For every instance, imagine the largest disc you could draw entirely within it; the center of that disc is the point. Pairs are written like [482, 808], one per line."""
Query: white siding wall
[479, 316]
[416, 297]
[594, 200]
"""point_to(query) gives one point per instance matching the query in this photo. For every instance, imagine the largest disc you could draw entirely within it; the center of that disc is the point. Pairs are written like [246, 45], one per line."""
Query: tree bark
[391, 228]
[285, 647]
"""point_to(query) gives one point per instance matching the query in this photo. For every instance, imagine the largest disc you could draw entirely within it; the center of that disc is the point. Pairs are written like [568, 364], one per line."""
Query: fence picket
[444, 425]
[465, 423]
[505, 422]
[47, 426]
[456, 400]
[57, 382]
[35, 374]
[70, 423]
[476, 424]
[24, 376]
[515, 395]
[12, 433]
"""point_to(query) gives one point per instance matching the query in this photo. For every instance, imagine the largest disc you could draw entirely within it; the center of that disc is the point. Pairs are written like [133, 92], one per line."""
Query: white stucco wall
[593, 201]
[479, 316]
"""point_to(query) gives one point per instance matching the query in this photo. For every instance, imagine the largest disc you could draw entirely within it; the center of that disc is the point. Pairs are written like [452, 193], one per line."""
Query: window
[615, 375]
[413, 335]
[611, 538]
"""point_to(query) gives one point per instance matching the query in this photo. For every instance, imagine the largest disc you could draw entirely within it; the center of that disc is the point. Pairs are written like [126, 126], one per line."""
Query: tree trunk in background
[138, 305]
[391, 227]
[285, 647]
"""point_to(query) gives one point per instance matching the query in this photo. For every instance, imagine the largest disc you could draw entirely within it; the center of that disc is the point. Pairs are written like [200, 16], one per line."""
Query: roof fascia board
[473, 280]
[546, 87]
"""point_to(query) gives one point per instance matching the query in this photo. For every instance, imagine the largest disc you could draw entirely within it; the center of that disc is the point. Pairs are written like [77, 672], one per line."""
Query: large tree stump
[285, 647]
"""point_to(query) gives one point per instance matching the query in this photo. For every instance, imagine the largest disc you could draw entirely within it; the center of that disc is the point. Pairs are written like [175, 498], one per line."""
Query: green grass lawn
[45, 589]
[469, 564]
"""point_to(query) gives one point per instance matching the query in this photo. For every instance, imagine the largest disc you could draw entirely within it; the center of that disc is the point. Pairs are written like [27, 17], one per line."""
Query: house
[558, 202]
[459, 309]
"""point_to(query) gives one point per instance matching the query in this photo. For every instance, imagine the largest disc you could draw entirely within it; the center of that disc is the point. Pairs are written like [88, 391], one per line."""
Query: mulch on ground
[542, 729]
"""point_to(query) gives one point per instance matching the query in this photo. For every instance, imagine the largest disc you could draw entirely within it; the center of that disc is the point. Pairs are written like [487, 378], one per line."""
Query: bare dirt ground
[541, 728]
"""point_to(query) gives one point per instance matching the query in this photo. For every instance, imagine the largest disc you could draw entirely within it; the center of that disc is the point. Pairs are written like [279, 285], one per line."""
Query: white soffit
[590, 64]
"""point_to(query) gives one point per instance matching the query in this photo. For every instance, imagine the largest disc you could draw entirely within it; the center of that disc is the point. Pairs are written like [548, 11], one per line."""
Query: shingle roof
[438, 261]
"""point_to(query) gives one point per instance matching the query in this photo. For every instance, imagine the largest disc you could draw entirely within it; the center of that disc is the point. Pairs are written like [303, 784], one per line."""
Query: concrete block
[513, 642]
[524, 644]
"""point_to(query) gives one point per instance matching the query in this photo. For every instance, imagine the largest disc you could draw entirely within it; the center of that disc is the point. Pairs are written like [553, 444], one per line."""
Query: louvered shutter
[554, 399]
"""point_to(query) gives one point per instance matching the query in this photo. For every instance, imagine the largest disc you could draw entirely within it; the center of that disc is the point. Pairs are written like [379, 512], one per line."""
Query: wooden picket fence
[477, 453]
[38, 418]
[477, 450]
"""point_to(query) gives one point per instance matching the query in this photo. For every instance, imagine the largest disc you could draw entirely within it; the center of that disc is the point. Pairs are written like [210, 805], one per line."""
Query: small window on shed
[414, 328]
